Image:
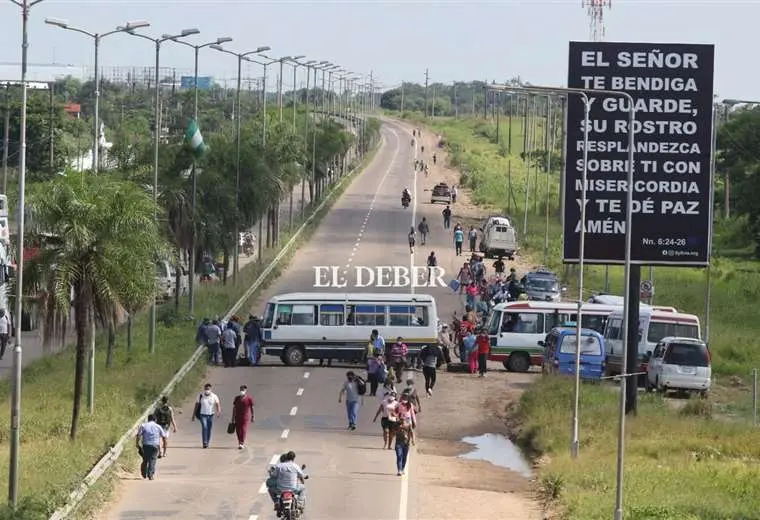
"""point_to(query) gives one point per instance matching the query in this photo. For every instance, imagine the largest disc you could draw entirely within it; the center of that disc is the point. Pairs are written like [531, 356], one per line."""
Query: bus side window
[613, 329]
[555, 319]
[331, 315]
[421, 316]
[529, 323]
[593, 322]
[370, 315]
[304, 315]
[350, 314]
[284, 314]
[401, 316]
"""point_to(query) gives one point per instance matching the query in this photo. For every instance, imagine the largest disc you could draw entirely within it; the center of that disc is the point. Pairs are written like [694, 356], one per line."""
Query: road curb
[76, 496]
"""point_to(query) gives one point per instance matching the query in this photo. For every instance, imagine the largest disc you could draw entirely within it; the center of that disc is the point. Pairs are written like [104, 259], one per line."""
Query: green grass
[52, 466]
[700, 463]
[678, 465]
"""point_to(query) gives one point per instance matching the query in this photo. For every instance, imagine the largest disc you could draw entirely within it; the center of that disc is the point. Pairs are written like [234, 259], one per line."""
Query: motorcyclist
[286, 476]
[406, 196]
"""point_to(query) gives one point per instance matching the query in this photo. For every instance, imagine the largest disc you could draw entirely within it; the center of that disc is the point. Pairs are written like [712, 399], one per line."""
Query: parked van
[499, 238]
[680, 364]
[654, 325]
[166, 280]
[560, 351]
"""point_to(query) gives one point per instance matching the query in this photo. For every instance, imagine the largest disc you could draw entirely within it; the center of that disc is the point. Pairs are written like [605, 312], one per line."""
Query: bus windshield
[269, 316]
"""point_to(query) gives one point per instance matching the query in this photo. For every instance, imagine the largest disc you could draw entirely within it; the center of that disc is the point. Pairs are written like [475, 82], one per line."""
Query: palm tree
[99, 241]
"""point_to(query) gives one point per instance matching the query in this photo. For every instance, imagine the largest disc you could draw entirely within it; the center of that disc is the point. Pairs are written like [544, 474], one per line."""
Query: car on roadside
[441, 193]
[679, 364]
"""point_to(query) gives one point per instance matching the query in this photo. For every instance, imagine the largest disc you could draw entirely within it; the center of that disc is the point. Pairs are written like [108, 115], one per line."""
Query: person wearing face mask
[206, 407]
[242, 415]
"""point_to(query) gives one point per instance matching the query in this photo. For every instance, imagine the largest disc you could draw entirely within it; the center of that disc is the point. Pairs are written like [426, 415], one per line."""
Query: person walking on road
[411, 237]
[389, 422]
[350, 391]
[414, 397]
[446, 217]
[148, 442]
[402, 436]
[424, 229]
[377, 372]
[242, 415]
[229, 345]
[397, 355]
[484, 349]
[164, 415]
[454, 194]
[213, 334]
[206, 407]
[458, 240]
[432, 358]
[472, 236]
[407, 414]
[432, 262]
[253, 339]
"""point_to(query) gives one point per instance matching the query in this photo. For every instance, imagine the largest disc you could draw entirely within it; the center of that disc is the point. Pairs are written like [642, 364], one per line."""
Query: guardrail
[76, 497]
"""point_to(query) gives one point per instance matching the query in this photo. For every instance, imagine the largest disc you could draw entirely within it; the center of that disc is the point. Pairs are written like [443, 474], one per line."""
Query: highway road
[297, 407]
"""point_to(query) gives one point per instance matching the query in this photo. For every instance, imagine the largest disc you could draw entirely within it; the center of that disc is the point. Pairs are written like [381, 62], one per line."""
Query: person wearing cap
[253, 339]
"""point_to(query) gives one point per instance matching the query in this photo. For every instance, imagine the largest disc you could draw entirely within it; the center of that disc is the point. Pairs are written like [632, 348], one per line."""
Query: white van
[680, 364]
[654, 324]
[166, 280]
[499, 238]
[302, 326]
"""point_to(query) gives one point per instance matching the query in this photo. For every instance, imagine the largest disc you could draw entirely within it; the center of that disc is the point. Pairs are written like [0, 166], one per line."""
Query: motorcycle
[289, 506]
[405, 202]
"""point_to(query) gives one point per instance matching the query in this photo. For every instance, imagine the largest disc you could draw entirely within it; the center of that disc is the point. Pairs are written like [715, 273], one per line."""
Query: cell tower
[595, 11]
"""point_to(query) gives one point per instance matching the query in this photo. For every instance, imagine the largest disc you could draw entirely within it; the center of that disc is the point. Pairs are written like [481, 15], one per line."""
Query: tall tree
[99, 241]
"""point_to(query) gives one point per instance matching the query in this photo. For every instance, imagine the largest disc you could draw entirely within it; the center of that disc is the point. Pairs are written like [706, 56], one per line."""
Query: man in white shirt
[5, 332]
[206, 407]
[150, 433]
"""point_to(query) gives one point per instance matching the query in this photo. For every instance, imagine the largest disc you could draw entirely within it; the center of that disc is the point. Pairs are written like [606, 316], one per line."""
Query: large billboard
[672, 89]
[187, 82]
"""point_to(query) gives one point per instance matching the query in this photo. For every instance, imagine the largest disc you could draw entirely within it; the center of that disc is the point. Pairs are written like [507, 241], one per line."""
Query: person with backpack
[353, 390]
[377, 372]
[164, 415]
[424, 229]
[432, 358]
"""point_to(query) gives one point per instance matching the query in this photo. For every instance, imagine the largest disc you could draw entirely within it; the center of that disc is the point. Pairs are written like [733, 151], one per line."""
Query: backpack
[361, 386]
[164, 415]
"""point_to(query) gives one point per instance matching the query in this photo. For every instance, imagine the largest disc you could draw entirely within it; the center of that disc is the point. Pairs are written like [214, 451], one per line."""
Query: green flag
[194, 139]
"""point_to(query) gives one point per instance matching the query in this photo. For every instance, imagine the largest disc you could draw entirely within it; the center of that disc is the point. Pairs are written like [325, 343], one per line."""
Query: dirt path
[444, 485]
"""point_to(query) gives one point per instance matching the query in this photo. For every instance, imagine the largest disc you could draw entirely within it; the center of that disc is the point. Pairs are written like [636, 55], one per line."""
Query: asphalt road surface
[297, 407]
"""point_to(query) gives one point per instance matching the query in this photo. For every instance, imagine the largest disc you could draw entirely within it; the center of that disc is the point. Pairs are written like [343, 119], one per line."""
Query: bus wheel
[294, 356]
[518, 362]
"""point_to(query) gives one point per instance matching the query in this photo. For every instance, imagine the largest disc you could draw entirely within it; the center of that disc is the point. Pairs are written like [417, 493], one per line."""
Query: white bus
[515, 328]
[302, 326]
[655, 323]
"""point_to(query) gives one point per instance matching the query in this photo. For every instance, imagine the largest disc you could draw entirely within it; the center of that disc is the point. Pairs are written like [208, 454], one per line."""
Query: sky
[396, 41]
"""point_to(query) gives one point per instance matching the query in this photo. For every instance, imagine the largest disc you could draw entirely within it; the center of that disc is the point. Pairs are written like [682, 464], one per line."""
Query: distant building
[74, 110]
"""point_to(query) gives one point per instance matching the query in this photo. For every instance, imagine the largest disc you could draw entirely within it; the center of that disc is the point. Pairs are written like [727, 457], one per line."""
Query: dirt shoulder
[444, 485]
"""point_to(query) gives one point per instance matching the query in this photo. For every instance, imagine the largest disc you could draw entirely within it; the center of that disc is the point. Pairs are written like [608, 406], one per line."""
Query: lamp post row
[130, 29]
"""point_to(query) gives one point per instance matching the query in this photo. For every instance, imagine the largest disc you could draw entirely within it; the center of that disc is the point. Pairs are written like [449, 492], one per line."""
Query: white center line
[275, 459]
[253, 517]
[285, 434]
[299, 392]
[263, 488]
[294, 410]
[306, 375]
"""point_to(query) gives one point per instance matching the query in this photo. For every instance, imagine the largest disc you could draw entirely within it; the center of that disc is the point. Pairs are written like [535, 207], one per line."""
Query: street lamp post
[193, 171]
[13, 467]
[240, 57]
[156, 140]
[96, 37]
[307, 65]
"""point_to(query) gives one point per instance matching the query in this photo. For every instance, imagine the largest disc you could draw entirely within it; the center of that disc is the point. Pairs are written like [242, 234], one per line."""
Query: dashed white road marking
[294, 410]
[285, 434]
[263, 488]
[299, 393]
[253, 517]
[306, 375]
[274, 460]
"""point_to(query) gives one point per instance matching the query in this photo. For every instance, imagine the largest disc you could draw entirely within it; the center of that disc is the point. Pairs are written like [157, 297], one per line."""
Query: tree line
[97, 239]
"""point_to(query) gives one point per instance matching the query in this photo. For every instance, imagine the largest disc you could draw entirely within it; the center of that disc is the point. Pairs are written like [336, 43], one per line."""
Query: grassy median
[695, 462]
[51, 465]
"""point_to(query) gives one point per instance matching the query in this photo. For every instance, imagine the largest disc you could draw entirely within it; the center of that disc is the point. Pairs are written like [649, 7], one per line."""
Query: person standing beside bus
[397, 356]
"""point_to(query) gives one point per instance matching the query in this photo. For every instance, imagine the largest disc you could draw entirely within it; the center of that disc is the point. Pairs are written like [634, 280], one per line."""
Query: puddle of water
[500, 451]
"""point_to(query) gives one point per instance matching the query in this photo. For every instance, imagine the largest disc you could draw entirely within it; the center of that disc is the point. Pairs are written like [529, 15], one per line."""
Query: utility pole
[52, 131]
[427, 77]
[435, 96]
[6, 135]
